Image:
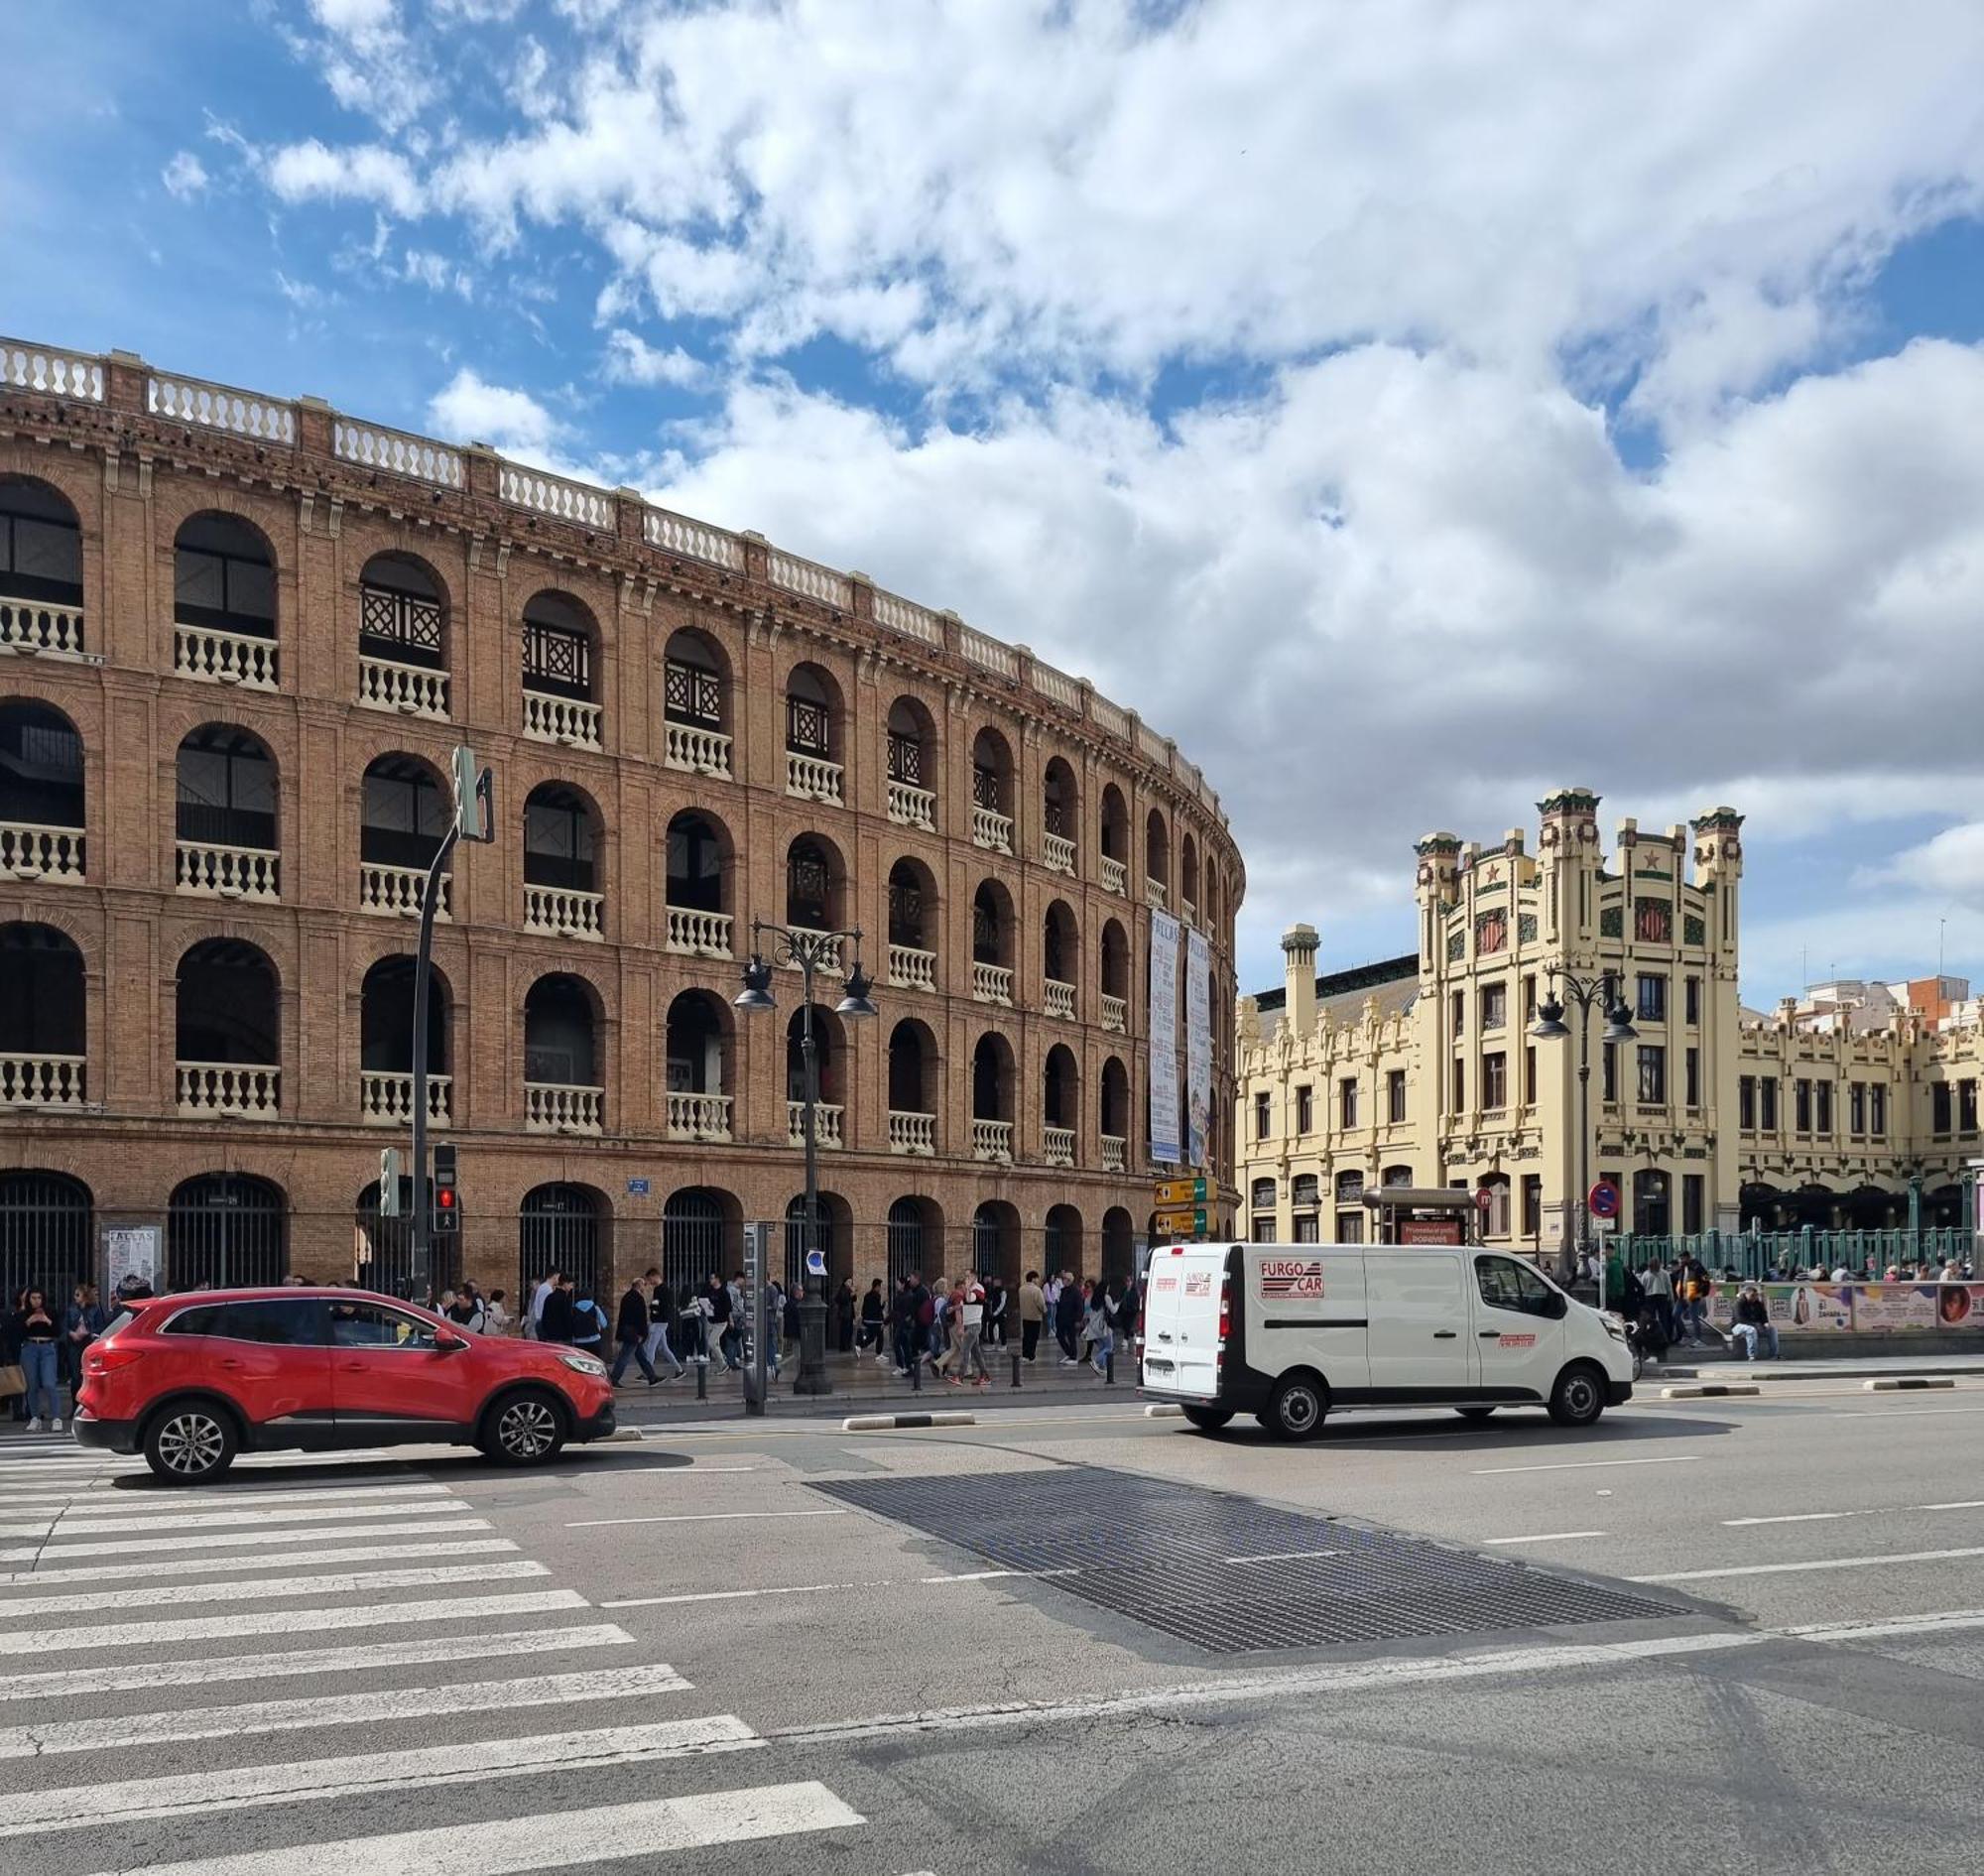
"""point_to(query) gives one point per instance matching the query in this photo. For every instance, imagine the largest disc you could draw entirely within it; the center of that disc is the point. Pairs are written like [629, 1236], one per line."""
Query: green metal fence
[1753, 1253]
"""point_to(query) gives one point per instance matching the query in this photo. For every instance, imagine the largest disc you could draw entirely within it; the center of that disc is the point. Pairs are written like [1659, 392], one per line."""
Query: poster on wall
[1198, 1046]
[1803, 1309]
[1898, 1306]
[1165, 1144]
[130, 1251]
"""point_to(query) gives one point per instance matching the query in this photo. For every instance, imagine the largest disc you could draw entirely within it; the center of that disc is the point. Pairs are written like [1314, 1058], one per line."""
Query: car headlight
[584, 1364]
[1613, 1327]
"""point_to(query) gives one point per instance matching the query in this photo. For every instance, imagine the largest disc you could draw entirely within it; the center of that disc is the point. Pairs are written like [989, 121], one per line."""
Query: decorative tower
[1718, 873]
[1568, 849]
[1299, 947]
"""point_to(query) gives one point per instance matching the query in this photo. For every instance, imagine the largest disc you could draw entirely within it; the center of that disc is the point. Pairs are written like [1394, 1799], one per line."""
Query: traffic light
[389, 1182]
[447, 1218]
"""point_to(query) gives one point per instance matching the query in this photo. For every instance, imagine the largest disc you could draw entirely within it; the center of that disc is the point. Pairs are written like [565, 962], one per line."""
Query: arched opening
[561, 1227]
[1349, 1208]
[1261, 1199]
[815, 884]
[1060, 1106]
[698, 1067]
[40, 794]
[701, 1237]
[912, 914]
[382, 1249]
[1115, 838]
[561, 883]
[1115, 977]
[1061, 816]
[402, 816]
[829, 1042]
[915, 1239]
[44, 1026]
[1495, 1215]
[830, 1232]
[1188, 875]
[401, 642]
[812, 734]
[1060, 959]
[696, 704]
[1114, 1116]
[913, 1088]
[1211, 905]
[227, 1031]
[992, 792]
[699, 879]
[224, 576]
[995, 1243]
[912, 765]
[564, 1083]
[1119, 1244]
[992, 1099]
[48, 1235]
[227, 816]
[1061, 1239]
[386, 1045]
[41, 569]
[1156, 859]
[992, 943]
[227, 1231]
[560, 680]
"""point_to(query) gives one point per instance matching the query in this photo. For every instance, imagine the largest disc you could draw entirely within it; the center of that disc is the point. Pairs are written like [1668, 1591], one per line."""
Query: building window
[1801, 1105]
[1766, 1103]
[1529, 1075]
[1495, 1084]
[1879, 1111]
[1458, 1003]
[1608, 1072]
[1692, 1191]
[1691, 1067]
[1459, 1084]
[1694, 1001]
[1494, 1005]
[1653, 1073]
[1856, 1108]
[1305, 1108]
[1347, 1103]
[1349, 1189]
[1939, 1107]
[1304, 1196]
[1529, 1001]
[1395, 1096]
[1966, 1106]
[1309, 1228]
[1824, 1092]
[1349, 1228]
[1532, 1205]
[1261, 1117]
[1653, 998]
[1263, 1228]
[1746, 1102]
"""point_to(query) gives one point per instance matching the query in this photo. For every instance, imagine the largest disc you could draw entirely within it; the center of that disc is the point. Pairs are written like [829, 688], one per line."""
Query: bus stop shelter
[1423, 1214]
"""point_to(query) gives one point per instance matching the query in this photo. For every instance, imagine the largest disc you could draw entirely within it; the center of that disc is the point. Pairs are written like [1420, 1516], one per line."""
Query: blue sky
[1410, 419]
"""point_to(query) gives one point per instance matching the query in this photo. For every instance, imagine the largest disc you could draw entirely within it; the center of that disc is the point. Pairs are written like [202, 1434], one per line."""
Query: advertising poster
[1804, 1309]
[1896, 1306]
[1197, 1046]
[1167, 1145]
[130, 1251]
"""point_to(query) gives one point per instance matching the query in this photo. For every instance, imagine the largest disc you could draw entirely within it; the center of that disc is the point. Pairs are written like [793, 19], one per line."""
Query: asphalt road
[680, 1652]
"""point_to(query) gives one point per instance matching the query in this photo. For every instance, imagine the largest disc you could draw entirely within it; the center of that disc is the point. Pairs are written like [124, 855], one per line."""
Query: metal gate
[227, 1231]
[382, 1249]
[693, 1242]
[558, 1228]
[906, 1245]
[988, 1244]
[46, 1239]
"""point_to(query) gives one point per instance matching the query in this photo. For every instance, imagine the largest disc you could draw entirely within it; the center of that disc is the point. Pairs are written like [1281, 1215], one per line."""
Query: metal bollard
[916, 1369]
[1016, 1367]
[702, 1379]
[1109, 1368]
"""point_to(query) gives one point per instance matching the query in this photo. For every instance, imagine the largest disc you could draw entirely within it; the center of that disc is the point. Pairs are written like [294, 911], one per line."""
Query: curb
[1710, 1390]
[886, 1423]
[1900, 1383]
[1163, 1409]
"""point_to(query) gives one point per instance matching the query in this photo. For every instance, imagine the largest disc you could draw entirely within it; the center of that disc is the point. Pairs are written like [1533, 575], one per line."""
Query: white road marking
[209, 1628]
[552, 1840]
[55, 1551]
[1876, 1511]
[128, 1572]
[1876, 1627]
[349, 1584]
[93, 1521]
[706, 1517]
[1824, 1563]
[127, 1677]
[127, 1801]
[1545, 1536]
[1279, 1556]
[1585, 1465]
[732, 1595]
[47, 1737]
[178, 1507]
[1897, 1413]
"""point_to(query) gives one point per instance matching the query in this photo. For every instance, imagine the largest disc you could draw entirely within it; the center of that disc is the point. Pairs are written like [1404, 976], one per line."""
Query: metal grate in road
[1227, 1575]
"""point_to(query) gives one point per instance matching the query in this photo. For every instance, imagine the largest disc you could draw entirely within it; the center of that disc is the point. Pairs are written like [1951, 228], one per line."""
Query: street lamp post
[1586, 994]
[811, 951]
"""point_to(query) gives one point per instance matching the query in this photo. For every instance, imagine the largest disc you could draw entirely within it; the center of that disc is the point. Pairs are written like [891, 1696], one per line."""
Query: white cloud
[630, 359]
[437, 274]
[1950, 865]
[356, 19]
[312, 170]
[184, 175]
[469, 408]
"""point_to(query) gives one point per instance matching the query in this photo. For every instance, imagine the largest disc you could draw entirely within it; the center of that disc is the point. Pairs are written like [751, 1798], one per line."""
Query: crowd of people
[44, 1340]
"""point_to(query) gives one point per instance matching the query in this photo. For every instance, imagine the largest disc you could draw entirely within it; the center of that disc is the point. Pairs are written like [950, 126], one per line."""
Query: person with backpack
[589, 1321]
[719, 1308]
[630, 1331]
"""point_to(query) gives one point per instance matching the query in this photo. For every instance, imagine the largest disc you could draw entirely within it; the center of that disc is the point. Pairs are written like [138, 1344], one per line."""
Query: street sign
[1603, 1198]
[1187, 1223]
[1484, 1198]
[637, 1188]
[1180, 1191]
[815, 1263]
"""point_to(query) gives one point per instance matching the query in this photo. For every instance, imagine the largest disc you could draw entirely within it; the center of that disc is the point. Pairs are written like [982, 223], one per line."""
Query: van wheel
[1208, 1419]
[1298, 1407]
[526, 1429]
[1473, 1412]
[191, 1442]
[1579, 1397]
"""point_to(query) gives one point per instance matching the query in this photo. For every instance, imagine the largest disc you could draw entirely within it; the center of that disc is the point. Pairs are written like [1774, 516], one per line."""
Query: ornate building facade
[240, 638]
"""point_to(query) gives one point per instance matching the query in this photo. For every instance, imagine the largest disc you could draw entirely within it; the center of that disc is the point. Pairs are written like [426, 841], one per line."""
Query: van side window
[1506, 1284]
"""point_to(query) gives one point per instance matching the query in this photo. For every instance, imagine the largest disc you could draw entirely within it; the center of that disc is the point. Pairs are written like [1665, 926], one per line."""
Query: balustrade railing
[905, 615]
[39, 1080]
[568, 720]
[696, 751]
[208, 1088]
[555, 495]
[213, 657]
[988, 653]
[992, 1141]
[812, 778]
[1058, 852]
[384, 683]
[810, 579]
[912, 1133]
[1116, 1013]
[1155, 894]
[677, 534]
[563, 912]
[35, 628]
[912, 969]
[207, 870]
[1187, 911]
[1060, 998]
[698, 933]
[374, 446]
[991, 830]
[221, 407]
[827, 1119]
[1115, 875]
[396, 890]
[32, 853]
[912, 806]
[1115, 1152]
[699, 1116]
[992, 983]
[1056, 684]
[1057, 1145]
[387, 1101]
[557, 1107]
[54, 372]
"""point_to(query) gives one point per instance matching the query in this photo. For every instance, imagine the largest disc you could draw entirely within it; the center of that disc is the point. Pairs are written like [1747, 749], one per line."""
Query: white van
[1288, 1332]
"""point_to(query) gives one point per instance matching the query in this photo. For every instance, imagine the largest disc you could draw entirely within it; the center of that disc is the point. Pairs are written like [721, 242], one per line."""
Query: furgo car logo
[1282, 1276]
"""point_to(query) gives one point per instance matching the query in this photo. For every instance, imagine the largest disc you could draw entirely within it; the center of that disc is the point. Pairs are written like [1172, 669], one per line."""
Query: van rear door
[1181, 1320]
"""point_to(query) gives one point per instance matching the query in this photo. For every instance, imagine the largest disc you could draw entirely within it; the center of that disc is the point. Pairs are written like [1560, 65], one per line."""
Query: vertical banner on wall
[1197, 1046]
[1165, 1144]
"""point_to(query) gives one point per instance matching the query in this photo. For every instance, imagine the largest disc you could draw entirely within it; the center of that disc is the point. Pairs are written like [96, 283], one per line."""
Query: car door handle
[229, 1361]
[354, 1368]
[1489, 1334]
[1444, 1334]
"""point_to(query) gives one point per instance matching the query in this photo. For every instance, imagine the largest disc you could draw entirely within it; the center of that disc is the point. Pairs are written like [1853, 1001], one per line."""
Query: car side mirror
[1560, 1305]
[447, 1341]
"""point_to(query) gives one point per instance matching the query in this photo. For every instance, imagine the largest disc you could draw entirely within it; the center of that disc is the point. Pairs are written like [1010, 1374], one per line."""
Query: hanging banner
[1165, 1144]
[1197, 1046]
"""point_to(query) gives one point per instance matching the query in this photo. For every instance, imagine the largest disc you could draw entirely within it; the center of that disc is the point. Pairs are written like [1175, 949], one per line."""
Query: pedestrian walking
[1107, 1302]
[40, 1336]
[495, 1317]
[82, 1323]
[874, 1308]
[971, 1314]
[914, 1311]
[997, 1306]
[843, 1316]
[533, 1316]
[553, 1312]
[631, 1330]
[1659, 1288]
[661, 1312]
[10, 1354]
[1033, 1312]
[1067, 1320]
[723, 1313]
[589, 1321]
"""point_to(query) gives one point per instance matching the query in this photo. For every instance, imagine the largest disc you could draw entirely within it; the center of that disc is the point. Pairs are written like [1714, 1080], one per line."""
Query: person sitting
[1753, 1325]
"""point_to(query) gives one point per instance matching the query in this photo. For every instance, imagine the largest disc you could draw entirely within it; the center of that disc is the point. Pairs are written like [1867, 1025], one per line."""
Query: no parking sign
[1604, 1199]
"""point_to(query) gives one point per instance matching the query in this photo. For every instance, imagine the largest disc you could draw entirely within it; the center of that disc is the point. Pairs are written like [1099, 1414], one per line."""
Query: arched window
[1061, 816]
[1305, 1201]
[560, 694]
[812, 735]
[912, 1088]
[43, 1020]
[386, 1044]
[562, 881]
[1115, 1115]
[1156, 859]
[560, 1229]
[48, 1238]
[1061, 1239]
[1394, 1176]
[403, 813]
[227, 822]
[813, 885]
[992, 1099]
[41, 794]
[698, 1091]
[40, 569]
[995, 1242]
[702, 1232]
[224, 576]
[912, 765]
[227, 1231]
[1188, 882]
[1494, 1217]
[227, 1031]
[695, 705]
[915, 1240]
[1061, 957]
[1116, 977]
[829, 1044]
[382, 1249]
[1119, 1247]
[563, 1084]
[402, 646]
[1060, 1096]
[1115, 827]
[992, 792]
[698, 914]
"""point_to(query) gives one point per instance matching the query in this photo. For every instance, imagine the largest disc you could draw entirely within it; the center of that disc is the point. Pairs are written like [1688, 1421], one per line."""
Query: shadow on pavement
[1521, 1432]
[464, 1466]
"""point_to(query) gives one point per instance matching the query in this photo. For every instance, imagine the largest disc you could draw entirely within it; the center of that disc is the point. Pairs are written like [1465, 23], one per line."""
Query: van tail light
[1225, 1309]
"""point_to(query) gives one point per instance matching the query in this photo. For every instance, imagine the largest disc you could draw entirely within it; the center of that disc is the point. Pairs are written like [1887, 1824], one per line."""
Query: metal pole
[423, 970]
[810, 1069]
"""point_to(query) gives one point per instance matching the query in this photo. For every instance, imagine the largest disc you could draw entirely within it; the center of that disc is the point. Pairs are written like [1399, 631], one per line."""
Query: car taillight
[101, 1360]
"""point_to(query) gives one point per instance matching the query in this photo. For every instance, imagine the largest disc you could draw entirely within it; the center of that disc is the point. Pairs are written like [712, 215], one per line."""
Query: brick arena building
[239, 640]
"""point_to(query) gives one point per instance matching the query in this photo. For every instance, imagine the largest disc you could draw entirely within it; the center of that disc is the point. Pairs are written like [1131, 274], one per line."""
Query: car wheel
[1473, 1412]
[1208, 1419]
[1579, 1397]
[1298, 1407]
[525, 1430]
[190, 1444]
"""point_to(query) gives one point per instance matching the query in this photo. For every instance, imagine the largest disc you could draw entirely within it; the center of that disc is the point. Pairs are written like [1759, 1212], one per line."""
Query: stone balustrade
[696, 751]
[1187, 911]
[812, 778]
[992, 1142]
[698, 933]
[1115, 876]
[384, 683]
[208, 870]
[990, 831]
[914, 1134]
[45, 854]
[912, 969]
[42, 1081]
[827, 1119]
[221, 407]
[212, 1090]
[210, 656]
[1155, 894]
[1116, 1014]
[387, 1101]
[910, 807]
[1057, 1145]
[699, 1116]
[34, 628]
[1115, 1152]
[395, 892]
[1060, 998]
[555, 1107]
[1057, 851]
[569, 721]
[563, 912]
[992, 983]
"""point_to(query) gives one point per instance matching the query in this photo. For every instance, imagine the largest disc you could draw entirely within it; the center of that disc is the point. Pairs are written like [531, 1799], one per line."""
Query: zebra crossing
[444, 1683]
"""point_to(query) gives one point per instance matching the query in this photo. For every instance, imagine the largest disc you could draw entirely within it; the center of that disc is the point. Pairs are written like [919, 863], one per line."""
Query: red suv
[192, 1380]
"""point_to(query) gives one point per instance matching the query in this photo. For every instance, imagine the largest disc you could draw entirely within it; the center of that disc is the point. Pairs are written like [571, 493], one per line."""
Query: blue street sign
[637, 1188]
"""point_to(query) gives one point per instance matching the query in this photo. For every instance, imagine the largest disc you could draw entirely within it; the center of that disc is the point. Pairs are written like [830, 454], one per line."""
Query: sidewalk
[1844, 1368]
